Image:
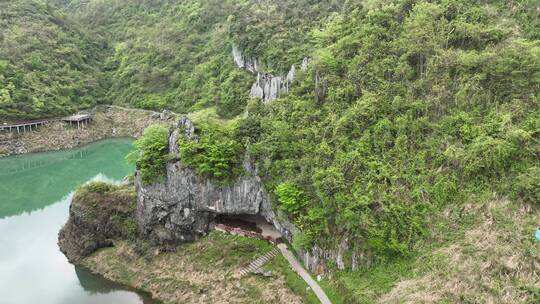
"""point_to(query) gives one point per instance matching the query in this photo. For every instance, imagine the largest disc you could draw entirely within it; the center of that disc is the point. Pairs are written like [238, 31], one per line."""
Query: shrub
[527, 185]
[301, 241]
[216, 154]
[234, 97]
[150, 154]
[290, 197]
[488, 155]
[98, 187]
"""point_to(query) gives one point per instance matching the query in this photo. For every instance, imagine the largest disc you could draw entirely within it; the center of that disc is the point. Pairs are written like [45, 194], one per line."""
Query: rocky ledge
[267, 87]
[184, 206]
[99, 215]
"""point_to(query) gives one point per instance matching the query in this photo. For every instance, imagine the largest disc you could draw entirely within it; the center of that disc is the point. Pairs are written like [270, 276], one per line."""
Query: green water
[35, 192]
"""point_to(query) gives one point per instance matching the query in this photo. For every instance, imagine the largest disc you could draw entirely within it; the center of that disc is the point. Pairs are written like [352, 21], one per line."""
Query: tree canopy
[408, 106]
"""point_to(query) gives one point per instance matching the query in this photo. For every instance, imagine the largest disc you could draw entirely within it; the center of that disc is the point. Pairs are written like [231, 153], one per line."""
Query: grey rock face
[316, 258]
[183, 206]
[305, 64]
[250, 64]
[184, 127]
[267, 87]
[95, 221]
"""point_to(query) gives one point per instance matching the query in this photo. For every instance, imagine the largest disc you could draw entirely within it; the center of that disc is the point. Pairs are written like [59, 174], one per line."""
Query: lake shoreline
[107, 122]
[35, 194]
[145, 296]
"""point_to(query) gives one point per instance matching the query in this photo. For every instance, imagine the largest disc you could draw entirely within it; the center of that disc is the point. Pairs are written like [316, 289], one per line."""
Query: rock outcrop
[183, 207]
[266, 87]
[250, 64]
[99, 214]
[343, 256]
[180, 209]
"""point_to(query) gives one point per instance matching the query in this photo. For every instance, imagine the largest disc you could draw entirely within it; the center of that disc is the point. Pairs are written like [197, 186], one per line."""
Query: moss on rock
[99, 215]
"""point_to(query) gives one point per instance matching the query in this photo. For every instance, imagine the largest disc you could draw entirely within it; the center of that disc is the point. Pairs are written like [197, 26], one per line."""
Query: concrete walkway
[296, 266]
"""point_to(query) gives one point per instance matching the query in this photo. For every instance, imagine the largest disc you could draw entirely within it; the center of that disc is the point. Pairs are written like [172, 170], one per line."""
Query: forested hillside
[49, 65]
[177, 54]
[421, 104]
[148, 54]
[410, 112]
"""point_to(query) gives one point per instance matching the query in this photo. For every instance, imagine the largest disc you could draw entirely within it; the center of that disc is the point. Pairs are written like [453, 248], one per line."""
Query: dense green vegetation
[49, 66]
[215, 152]
[408, 108]
[167, 54]
[149, 54]
[421, 105]
[177, 54]
[150, 154]
[97, 197]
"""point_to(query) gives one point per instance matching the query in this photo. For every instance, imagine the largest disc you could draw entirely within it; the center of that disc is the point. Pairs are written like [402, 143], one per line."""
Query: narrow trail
[297, 267]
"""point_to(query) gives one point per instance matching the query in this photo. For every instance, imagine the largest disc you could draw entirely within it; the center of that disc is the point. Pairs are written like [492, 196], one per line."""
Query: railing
[23, 126]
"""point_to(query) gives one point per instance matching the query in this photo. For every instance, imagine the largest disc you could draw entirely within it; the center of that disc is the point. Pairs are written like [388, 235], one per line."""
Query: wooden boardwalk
[23, 126]
[80, 119]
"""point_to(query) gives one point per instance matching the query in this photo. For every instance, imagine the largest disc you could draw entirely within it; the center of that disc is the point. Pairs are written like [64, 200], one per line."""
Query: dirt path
[296, 266]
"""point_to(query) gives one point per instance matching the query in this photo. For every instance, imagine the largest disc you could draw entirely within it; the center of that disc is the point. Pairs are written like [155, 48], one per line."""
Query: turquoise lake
[35, 193]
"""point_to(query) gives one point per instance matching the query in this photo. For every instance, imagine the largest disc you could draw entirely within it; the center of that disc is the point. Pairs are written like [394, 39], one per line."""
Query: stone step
[258, 263]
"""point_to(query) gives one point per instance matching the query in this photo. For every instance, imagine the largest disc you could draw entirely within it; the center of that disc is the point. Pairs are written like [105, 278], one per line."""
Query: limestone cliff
[184, 206]
[99, 214]
[181, 208]
[266, 87]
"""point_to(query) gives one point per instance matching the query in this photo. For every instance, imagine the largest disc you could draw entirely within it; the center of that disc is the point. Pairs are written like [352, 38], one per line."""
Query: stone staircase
[255, 266]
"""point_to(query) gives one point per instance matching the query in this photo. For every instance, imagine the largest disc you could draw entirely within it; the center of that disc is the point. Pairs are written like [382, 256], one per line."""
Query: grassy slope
[202, 271]
[479, 253]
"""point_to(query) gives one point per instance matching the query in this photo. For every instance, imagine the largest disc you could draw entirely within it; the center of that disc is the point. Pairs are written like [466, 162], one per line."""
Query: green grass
[216, 246]
[477, 253]
[204, 267]
[365, 286]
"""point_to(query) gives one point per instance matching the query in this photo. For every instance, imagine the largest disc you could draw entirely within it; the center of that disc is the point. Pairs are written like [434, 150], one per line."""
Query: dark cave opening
[248, 225]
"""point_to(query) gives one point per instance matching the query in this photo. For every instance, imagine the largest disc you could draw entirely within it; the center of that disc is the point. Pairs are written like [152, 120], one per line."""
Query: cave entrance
[248, 225]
